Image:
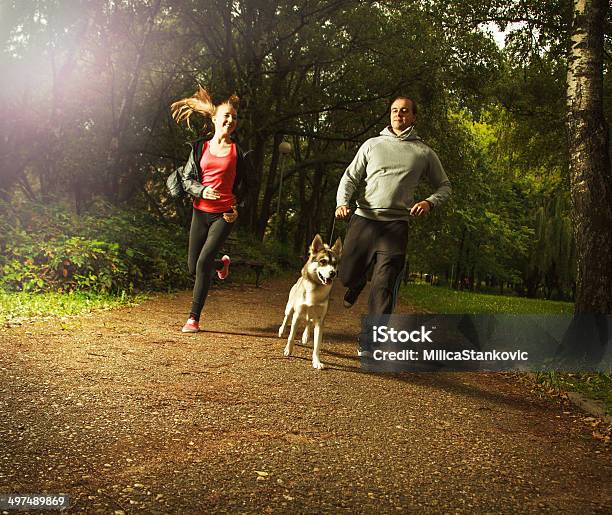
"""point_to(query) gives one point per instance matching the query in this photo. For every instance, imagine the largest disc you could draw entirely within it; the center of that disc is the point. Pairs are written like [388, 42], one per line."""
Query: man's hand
[343, 211]
[210, 193]
[420, 208]
[230, 218]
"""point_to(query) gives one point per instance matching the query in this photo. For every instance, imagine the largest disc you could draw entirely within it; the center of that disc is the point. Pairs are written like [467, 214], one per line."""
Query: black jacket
[191, 173]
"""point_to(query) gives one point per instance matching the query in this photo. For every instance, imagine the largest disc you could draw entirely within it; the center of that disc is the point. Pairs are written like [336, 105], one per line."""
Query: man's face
[401, 115]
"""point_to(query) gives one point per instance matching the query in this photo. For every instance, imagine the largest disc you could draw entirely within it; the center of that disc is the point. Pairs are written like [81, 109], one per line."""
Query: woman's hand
[210, 193]
[230, 218]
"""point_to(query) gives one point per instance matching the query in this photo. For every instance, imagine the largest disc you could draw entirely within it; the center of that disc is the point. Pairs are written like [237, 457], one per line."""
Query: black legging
[207, 234]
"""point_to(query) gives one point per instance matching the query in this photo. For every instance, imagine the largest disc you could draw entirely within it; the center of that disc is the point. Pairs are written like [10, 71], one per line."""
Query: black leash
[331, 236]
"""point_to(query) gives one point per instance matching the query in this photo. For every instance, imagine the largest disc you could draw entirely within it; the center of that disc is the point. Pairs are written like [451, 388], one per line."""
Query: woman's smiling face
[225, 119]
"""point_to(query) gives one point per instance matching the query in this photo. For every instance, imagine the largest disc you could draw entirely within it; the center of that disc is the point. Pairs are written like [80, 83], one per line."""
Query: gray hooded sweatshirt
[390, 167]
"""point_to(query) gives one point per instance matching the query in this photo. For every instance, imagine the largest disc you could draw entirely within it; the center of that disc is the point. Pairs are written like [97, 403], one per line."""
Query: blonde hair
[199, 102]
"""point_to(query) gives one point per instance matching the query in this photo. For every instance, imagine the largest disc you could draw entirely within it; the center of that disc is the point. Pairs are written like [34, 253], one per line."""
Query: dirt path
[124, 413]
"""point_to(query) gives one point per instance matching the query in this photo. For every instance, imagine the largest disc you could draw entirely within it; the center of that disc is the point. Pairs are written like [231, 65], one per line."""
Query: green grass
[594, 385]
[437, 299]
[21, 305]
[444, 300]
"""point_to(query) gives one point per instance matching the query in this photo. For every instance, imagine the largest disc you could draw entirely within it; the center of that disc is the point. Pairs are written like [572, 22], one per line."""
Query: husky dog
[309, 296]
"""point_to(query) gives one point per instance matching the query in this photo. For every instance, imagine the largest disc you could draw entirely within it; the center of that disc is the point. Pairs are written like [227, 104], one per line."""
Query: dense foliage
[104, 250]
[85, 94]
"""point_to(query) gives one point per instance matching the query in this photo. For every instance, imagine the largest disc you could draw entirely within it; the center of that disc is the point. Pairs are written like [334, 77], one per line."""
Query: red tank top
[218, 173]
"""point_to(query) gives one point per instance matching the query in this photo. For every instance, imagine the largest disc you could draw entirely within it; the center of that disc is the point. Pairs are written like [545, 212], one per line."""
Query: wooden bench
[231, 248]
[256, 266]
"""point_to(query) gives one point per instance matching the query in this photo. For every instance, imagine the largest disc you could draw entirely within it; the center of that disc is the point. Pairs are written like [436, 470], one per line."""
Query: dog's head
[323, 260]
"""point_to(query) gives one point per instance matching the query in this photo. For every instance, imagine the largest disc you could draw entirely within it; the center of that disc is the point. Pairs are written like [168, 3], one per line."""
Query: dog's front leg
[306, 333]
[288, 309]
[318, 337]
[289, 346]
[281, 329]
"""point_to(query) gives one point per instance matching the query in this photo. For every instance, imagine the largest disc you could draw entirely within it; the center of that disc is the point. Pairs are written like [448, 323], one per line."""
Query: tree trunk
[303, 213]
[459, 260]
[252, 199]
[271, 187]
[319, 187]
[115, 149]
[591, 184]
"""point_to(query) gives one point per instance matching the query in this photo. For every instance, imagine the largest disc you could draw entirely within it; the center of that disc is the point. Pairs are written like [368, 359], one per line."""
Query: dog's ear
[316, 245]
[337, 248]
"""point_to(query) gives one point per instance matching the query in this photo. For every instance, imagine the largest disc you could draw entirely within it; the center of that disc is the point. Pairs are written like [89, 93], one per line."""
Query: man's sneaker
[350, 297]
[223, 273]
[191, 326]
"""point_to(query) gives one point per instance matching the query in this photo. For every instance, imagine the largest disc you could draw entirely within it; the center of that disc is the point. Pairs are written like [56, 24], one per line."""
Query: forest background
[87, 140]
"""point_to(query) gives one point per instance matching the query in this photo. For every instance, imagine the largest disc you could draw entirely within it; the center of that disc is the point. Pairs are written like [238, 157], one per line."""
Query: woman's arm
[189, 178]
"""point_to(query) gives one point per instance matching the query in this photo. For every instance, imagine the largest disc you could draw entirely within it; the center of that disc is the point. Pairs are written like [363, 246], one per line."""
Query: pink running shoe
[191, 326]
[224, 272]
